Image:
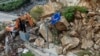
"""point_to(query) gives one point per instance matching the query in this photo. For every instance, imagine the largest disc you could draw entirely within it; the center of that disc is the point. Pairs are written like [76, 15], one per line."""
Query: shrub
[11, 4]
[36, 12]
[28, 54]
[68, 12]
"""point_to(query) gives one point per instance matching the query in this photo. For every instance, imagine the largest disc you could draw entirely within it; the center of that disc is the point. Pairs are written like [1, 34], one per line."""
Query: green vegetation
[68, 12]
[8, 5]
[85, 52]
[81, 9]
[36, 12]
[28, 54]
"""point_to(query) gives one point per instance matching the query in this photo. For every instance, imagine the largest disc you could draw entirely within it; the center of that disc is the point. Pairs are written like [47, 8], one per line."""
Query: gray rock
[59, 49]
[43, 32]
[96, 46]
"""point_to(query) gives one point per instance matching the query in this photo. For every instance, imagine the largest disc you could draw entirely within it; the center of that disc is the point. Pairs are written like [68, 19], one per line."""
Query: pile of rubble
[80, 37]
[73, 37]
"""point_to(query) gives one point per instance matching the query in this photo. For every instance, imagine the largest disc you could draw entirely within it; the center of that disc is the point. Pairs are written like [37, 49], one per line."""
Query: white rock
[51, 51]
[69, 2]
[25, 50]
[20, 50]
[96, 46]
[99, 11]
[61, 55]
[71, 54]
[51, 45]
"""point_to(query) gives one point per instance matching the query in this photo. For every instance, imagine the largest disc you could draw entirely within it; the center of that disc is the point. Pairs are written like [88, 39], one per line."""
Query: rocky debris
[98, 42]
[87, 43]
[48, 9]
[91, 14]
[25, 50]
[78, 15]
[64, 21]
[59, 49]
[51, 50]
[86, 55]
[20, 50]
[83, 33]
[69, 2]
[69, 42]
[39, 42]
[96, 46]
[43, 32]
[32, 38]
[71, 54]
[87, 3]
[84, 15]
[61, 55]
[60, 26]
[74, 33]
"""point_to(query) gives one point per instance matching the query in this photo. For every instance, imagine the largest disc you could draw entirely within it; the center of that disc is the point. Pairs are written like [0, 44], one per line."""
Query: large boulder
[69, 42]
[48, 9]
[43, 32]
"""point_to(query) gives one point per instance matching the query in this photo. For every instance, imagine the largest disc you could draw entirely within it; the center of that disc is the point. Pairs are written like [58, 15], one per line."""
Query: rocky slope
[78, 38]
